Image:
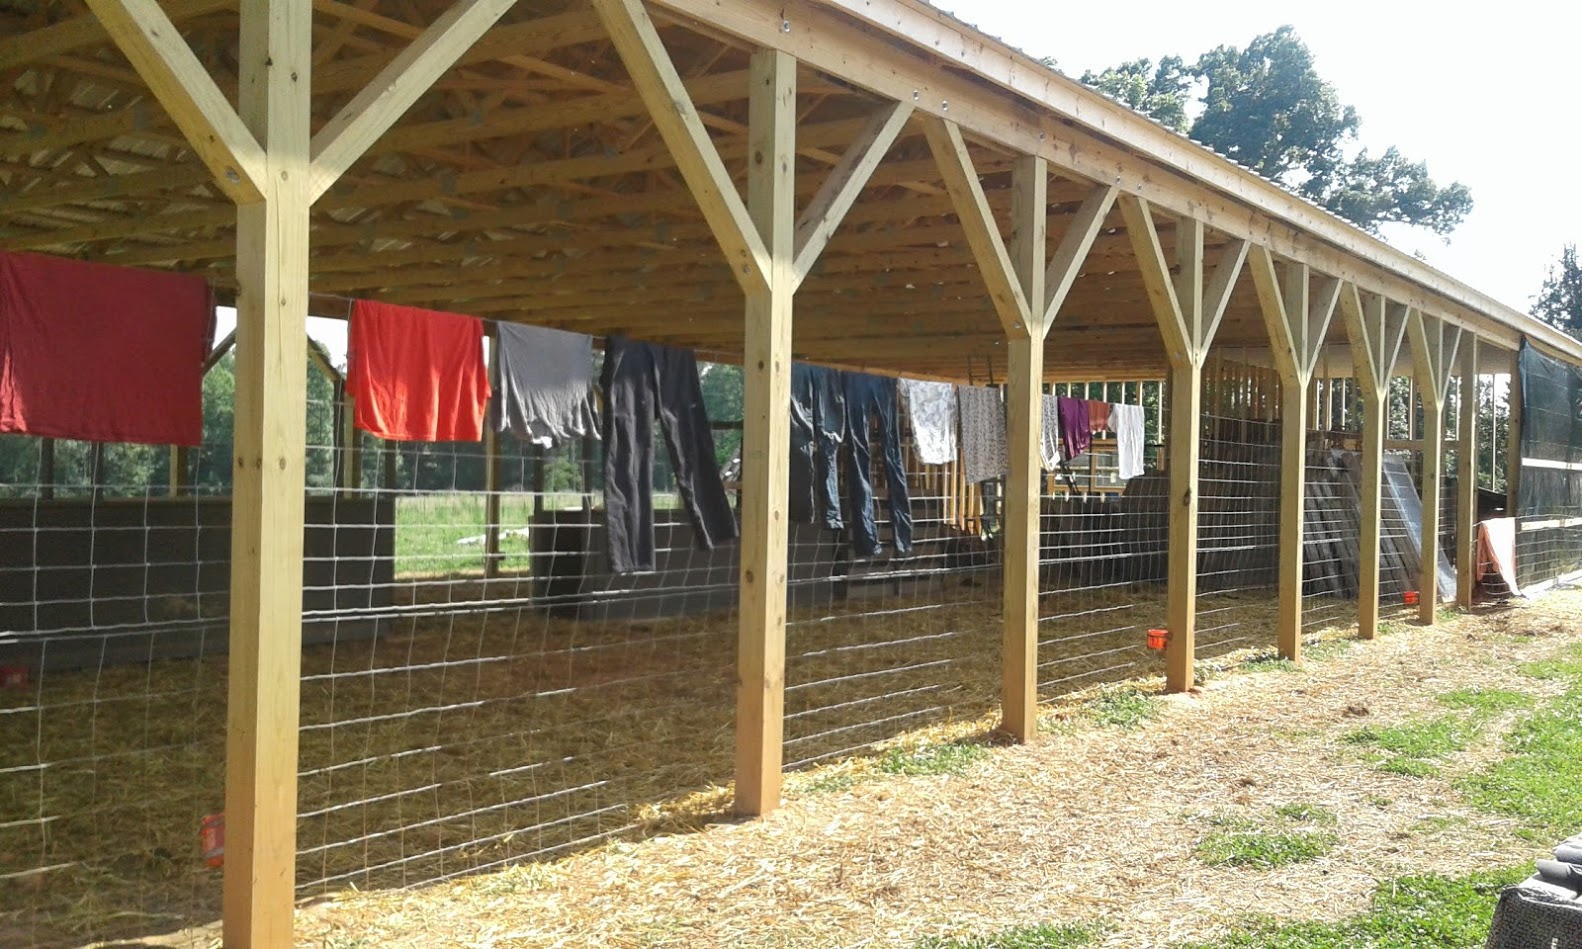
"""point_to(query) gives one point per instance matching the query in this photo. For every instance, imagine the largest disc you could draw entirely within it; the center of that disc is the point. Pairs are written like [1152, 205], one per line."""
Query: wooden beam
[1467, 476]
[1186, 421]
[1024, 409]
[654, 76]
[67, 36]
[491, 468]
[1075, 244]
[846, 180]
[413, 71]
[1374, 328]
[161, 56]
[1435, 346]
[1286, 311]
[766, 437]
[275, 57]
[977, 221]
[1189, 312]
[1516, 407]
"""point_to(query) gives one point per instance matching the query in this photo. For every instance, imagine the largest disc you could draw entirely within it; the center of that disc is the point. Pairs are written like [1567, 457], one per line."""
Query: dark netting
[1528, 919]
[1549, 490]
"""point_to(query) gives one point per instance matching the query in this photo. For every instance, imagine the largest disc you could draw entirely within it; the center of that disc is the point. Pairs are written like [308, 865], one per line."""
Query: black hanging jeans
[818, 426]
[870, 399]
[641, 380]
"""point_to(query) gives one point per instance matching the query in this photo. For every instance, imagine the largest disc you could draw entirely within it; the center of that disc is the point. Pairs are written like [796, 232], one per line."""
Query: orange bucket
[1409, 597]
[1158, 638]
[211, 834]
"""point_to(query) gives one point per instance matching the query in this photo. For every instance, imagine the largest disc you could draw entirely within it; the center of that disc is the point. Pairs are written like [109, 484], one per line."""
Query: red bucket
[1158, 638]
[211, 834]
[1409, 597]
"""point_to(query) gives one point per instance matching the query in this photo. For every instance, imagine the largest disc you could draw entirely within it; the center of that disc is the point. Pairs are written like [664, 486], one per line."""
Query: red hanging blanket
[417, 375]
[102, 353]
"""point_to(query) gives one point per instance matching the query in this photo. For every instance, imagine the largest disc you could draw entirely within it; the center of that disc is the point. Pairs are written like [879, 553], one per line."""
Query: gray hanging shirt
[544, 393]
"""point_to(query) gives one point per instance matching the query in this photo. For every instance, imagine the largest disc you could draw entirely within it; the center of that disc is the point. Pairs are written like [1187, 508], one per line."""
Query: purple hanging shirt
[1075, 431]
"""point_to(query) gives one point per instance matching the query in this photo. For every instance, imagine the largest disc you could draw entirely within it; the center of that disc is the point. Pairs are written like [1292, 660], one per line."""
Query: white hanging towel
[932, 409]
[1130, 426]
[1049, 440]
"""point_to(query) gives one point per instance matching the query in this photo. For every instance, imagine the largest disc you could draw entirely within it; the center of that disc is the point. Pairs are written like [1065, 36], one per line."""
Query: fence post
[1435, 345]
[1024, 410]
[1467, 476]
[1374, 328]
[1188, 311]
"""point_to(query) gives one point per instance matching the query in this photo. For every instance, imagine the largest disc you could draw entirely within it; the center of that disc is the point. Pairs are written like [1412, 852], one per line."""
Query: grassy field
[441, 535]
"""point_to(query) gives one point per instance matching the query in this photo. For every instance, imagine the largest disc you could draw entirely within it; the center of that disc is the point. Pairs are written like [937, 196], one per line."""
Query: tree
[1559, 301]
[1267, 108]
[1160, 92]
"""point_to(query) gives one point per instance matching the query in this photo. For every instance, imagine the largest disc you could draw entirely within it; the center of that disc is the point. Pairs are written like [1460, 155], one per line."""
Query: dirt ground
[1090, 823]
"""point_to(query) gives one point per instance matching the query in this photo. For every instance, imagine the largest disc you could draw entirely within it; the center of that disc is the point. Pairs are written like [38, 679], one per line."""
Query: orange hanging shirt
[417, 375]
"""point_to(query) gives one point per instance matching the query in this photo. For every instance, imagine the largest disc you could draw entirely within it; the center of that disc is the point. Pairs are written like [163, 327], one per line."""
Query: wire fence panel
[112, 692]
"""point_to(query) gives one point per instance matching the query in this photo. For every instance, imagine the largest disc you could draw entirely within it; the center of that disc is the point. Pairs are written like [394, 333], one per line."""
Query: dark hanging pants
[818, 426]
[870, 399]
[641, 380]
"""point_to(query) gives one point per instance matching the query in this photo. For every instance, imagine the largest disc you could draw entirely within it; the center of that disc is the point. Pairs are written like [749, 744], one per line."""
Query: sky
[1485, 100]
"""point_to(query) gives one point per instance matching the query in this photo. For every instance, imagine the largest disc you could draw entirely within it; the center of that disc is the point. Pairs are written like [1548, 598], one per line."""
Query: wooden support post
[491, 470]
[766, 435]
[46, 469]
[1467, 476]
[1024, 409]
[1513, 444]
[1435, 346]
[180, 470]
[1297, 318]
[1189, 311]
[267, 523]
[349, 443]
[1374, 328]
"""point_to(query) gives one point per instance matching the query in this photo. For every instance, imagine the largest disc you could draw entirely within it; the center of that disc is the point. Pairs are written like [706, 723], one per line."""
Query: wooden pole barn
[858, 183]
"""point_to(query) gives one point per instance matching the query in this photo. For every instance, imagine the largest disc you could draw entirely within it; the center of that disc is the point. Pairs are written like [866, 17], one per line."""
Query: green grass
[1307, 814]
[1043, 936]
[1420, 912]
[1486, 701]
[1268, 662]
[1123, 708]
[953, 758]
[1327, 649]
[1264, 845]
[1537, 783]
[1411, 747]
[1263, 850]
[1562, 668]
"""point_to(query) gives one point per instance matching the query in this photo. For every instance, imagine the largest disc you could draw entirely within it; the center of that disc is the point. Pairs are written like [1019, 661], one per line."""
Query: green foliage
[1559, 300]
[1266, 107]
[1419, 912]
[1043, 936]
[1263, 850]
[1303, 813]
[1486, 701]
[722, 400]
[953, 758]
[1161, 92]
[1123, 708]
[1413, 745]
[1537, 784]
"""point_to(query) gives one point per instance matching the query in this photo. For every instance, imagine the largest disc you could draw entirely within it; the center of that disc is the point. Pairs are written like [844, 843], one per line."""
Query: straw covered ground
[1096, 822]
[460, 741]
